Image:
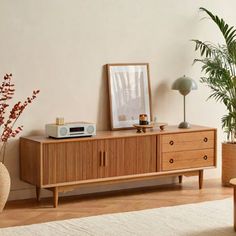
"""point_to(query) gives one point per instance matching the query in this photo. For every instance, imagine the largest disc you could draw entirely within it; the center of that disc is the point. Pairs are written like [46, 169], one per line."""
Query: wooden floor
[29, 211]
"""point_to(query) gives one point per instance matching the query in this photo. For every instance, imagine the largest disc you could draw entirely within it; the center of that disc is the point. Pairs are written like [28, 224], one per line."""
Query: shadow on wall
[161, 99]
[36, 132]
[103, 115]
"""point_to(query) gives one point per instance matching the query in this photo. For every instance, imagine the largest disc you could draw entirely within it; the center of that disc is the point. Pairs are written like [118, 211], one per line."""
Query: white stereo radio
[68, 130]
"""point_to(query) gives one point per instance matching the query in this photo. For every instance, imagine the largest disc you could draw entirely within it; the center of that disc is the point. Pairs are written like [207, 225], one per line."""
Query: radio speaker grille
[90, 129]
[63, 131]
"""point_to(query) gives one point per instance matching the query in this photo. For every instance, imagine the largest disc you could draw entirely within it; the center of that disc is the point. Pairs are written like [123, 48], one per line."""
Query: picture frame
[129, 94]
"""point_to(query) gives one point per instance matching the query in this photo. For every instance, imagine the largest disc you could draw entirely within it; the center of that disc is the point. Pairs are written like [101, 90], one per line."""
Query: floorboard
[23, 212]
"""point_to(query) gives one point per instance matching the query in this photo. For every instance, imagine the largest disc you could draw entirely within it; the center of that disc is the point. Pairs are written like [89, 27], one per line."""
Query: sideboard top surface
[120, 134]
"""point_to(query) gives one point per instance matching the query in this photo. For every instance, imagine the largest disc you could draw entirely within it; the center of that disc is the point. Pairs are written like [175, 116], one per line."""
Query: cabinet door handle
[101, 159]
[205, 157]
[105, 158]
[205, 139]
[171, 142]
[171, 160]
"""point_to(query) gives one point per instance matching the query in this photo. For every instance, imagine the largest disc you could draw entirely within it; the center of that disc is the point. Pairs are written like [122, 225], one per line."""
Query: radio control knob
[63, 131]
[90, 129]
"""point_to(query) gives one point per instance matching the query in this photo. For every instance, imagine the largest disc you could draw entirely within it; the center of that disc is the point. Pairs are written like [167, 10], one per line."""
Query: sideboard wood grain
[115, 156]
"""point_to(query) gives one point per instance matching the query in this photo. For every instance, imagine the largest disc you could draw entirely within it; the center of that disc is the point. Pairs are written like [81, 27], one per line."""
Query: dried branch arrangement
[9, 119]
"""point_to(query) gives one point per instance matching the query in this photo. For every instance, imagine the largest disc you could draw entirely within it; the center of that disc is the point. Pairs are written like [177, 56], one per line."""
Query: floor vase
[5, 183]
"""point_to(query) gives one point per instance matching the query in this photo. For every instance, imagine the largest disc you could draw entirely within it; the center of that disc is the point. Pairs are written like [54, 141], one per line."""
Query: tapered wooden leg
[38, 192]
[55, 197]
[180, 179]
[200, 176]
[234, 208]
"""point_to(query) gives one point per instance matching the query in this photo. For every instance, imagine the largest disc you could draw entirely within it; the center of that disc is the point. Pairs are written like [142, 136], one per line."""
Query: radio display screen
[76, 129]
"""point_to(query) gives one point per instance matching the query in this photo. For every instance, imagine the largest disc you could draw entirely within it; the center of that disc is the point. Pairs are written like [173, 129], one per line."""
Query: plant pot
[228, 163]
[5, 183]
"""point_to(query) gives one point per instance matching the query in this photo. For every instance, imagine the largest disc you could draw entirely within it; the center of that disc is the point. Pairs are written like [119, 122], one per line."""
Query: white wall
[60, 47]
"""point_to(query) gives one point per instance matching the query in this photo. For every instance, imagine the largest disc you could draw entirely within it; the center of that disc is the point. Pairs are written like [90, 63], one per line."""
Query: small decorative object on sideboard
[143, 128]
[60, 121]
[184, 85]
[160, 125]
[7, 123]
[143, 119]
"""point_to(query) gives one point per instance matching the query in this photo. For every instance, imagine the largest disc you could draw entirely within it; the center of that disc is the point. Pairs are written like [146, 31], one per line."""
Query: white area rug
[214, 218]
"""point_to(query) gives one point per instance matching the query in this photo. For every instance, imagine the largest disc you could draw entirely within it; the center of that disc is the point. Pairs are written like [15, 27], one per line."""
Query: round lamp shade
[184, 85]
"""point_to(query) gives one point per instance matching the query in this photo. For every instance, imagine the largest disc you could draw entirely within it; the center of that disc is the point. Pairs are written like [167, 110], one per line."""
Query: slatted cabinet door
[146, 154]
[111, 152]
[70, 161]
[128, 156]
[140, 155]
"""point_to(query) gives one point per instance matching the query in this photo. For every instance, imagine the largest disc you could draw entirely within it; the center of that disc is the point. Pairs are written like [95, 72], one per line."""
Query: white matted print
[129, 90]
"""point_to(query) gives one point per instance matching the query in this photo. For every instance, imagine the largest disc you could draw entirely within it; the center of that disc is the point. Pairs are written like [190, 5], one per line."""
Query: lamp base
[184, 125]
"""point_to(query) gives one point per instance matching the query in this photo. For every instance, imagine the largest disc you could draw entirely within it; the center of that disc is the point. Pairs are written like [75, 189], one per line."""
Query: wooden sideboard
[115, 156]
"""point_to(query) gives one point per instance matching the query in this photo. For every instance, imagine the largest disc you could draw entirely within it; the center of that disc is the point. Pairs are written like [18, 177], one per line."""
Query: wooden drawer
[188, 159]
[187, 141]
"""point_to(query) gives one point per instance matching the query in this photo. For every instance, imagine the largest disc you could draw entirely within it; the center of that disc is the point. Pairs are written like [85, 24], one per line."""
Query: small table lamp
[184, 85]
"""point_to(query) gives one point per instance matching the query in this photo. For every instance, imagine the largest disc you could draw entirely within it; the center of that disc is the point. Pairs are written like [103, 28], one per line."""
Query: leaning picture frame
[129, 94]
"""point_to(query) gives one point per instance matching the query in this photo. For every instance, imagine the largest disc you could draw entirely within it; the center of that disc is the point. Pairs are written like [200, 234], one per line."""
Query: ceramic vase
[5, 183]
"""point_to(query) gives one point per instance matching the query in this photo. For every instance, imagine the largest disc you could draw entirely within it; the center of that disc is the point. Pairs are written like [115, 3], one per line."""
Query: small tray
[143, 128]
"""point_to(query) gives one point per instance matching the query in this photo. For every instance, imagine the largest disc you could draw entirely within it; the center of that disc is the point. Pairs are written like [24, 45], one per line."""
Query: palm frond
[219, 65]
[204, 48]
[228, 32]
[232, 51]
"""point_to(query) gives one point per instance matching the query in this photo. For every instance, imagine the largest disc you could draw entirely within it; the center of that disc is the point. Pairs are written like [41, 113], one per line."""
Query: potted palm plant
[219, 66]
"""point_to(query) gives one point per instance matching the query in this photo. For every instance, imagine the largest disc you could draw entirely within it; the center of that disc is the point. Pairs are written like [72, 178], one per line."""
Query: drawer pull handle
[205, 139]
[205, 157]
[171, 142]
[171, 160]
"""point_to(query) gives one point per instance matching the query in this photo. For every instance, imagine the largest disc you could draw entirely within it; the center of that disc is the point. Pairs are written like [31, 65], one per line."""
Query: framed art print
[129, 93]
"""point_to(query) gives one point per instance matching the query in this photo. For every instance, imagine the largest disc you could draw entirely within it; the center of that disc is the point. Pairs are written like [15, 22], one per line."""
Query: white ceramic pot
[5, 184]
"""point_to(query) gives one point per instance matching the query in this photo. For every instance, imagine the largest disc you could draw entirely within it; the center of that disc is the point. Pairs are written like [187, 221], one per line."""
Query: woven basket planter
[228, 163]
[5, 183]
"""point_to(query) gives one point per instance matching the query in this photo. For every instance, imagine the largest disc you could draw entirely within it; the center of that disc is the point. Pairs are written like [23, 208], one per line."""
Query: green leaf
[219, 66]
[230, 34]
